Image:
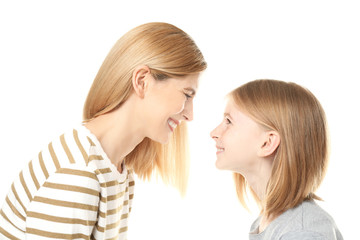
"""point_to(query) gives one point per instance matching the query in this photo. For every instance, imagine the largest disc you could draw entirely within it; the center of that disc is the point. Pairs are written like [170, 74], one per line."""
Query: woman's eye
[187, 96]
[228, 121]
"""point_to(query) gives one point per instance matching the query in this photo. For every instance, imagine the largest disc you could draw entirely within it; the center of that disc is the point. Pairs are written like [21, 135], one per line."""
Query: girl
[274, 138]
[81, 185]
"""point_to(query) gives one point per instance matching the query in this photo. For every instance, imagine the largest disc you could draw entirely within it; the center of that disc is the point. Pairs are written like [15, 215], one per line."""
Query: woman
[274, 138]
[81, 185]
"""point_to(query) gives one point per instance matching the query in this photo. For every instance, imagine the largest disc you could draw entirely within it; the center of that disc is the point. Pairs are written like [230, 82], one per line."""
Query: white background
[50, 52]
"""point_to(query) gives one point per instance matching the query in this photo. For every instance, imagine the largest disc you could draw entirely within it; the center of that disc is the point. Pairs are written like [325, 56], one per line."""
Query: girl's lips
[219, 149]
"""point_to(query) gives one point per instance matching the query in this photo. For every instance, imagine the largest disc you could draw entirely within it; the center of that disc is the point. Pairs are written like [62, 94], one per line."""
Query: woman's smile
[172, 124]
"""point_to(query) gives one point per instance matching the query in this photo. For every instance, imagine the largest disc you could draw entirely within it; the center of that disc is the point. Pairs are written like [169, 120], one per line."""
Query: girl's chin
[223, 165]
[220, 164]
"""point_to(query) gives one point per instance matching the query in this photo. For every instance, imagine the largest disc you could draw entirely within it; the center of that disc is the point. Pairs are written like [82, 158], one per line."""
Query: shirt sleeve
[65, 207]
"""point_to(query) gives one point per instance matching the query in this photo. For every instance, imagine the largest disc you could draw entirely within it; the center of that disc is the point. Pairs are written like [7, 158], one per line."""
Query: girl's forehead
[231, 105]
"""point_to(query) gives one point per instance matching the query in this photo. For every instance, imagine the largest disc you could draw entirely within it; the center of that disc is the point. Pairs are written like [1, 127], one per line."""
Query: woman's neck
[119, 132]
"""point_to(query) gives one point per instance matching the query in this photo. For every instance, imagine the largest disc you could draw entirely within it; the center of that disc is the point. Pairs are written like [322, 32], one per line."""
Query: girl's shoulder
[305, 221]
[308, 219]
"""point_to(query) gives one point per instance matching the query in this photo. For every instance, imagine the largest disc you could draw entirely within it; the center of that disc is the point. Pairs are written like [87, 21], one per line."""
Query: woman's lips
[172, 124]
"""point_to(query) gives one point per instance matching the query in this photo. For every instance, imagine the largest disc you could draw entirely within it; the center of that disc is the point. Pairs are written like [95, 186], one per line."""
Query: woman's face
[238, 139]
[170, 101]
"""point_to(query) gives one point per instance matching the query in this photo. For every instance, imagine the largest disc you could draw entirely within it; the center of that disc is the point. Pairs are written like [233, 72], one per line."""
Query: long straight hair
[168, 52]
[301, 159]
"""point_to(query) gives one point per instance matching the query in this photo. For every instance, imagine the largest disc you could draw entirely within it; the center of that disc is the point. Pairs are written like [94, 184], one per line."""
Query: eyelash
[227, 120]
[187, 96]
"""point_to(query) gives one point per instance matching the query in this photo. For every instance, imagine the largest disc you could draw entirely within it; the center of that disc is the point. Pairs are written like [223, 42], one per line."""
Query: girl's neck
[258, 180]
[259, 176]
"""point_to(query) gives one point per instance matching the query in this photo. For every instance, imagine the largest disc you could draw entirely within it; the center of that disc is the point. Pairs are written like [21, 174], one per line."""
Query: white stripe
[69, 196]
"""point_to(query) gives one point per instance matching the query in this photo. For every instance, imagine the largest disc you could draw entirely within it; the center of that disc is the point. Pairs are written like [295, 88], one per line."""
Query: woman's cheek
[180, 106]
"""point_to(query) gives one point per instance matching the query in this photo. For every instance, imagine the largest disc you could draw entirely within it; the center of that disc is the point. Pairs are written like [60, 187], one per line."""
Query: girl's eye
[228, 121]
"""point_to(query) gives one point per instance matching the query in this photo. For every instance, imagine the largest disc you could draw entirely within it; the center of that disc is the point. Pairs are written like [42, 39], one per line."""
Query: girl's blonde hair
[301, 159]
[169, 52]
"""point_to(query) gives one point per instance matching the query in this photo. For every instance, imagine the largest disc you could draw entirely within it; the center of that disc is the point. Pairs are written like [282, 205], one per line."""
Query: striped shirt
[71, 190]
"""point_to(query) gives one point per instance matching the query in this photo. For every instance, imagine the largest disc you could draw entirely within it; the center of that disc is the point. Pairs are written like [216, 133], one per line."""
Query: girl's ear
[270, 143]
[140, 80]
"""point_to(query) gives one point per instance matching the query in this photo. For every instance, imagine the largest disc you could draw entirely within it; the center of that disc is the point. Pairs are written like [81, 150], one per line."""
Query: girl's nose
[214, 134]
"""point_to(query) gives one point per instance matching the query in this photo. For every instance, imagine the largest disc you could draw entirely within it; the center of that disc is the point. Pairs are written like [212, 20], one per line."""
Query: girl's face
[170, 102]
[238, 140]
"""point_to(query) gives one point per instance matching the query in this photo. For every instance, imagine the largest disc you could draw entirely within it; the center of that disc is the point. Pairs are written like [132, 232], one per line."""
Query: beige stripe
[17, 197]
[95, 157]
[103, 171]
[77, 173]
[17, 213]
[71, 188]
[42, 164]
[101, 229]
[61, 219]
[112, 197]
[110, 212]
[66, 149]
[8, 235]
[7, 219]
[56, 235]
[65, 203]
[124, 229]
[126, 215]
[53, 156]
[81, 148]
[24, 186]
[37, 185]
[112, 225]
[91, 142]
[114, 182]
[109, 184]
[113, 238]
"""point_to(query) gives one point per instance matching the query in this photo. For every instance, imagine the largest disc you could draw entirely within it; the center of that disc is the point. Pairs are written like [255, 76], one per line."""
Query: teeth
[220, 149]
[172, 123]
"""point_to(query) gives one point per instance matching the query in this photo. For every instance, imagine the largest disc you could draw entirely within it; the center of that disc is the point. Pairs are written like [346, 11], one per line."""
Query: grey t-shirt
[304, 222]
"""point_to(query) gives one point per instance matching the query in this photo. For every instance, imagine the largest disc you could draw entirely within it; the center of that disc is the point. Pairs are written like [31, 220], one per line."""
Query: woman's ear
[270, 143]
[140, 80]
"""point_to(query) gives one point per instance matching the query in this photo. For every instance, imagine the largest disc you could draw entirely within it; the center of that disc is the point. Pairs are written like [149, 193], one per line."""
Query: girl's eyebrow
[227, 115]
[191, 91]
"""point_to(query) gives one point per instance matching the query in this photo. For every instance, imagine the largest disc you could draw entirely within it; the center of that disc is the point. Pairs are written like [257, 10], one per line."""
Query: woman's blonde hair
[169, 53]
[301, 159]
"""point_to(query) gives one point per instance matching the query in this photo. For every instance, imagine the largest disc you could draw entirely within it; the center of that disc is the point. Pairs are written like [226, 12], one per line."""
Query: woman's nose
[188, 113]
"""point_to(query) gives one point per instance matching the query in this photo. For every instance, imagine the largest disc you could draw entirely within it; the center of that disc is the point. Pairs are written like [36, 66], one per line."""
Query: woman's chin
[161, 140]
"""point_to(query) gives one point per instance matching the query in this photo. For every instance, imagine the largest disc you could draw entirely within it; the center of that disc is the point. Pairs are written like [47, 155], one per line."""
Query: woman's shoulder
[70, 148]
